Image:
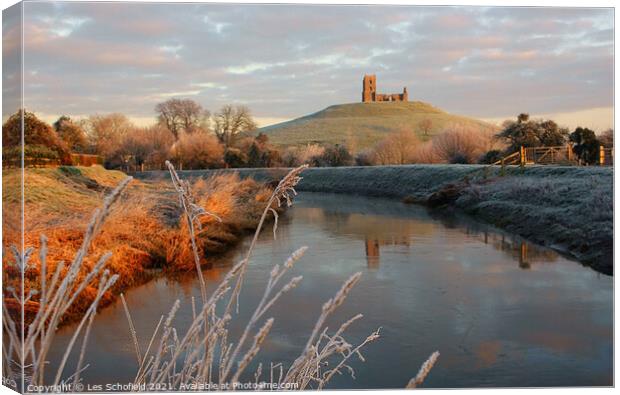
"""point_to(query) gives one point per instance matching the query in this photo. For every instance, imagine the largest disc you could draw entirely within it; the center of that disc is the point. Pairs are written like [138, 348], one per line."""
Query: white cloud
[64, 27]
[209, 85]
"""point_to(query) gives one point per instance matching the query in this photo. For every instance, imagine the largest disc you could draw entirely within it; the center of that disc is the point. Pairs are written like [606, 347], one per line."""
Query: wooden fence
[559, 155]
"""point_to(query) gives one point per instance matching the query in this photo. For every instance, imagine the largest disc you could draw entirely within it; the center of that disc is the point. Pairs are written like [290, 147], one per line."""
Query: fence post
[601, 155]
[522, 156]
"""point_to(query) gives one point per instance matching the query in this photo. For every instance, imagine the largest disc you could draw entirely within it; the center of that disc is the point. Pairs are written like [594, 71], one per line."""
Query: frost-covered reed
[205, 354]
[26, 344]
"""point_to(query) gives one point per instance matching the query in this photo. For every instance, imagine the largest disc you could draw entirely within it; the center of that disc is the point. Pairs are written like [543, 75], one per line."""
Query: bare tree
[107, 132]
[182, 115]
[425, 125]
[230, 121]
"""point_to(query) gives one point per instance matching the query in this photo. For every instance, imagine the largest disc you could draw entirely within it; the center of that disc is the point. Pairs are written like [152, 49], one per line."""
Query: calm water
[501, 312]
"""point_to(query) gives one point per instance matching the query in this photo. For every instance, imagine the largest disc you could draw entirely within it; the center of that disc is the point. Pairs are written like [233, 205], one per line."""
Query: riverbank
[569, 209]
[143, 231]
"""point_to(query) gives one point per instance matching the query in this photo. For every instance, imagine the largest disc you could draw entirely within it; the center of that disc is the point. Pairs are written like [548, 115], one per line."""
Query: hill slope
[363, 124]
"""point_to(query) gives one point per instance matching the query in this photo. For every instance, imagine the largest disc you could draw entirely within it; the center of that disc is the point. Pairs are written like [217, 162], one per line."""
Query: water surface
[501, 311]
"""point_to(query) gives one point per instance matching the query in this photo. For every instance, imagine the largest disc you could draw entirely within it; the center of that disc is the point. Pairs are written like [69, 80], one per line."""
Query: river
[502, 312]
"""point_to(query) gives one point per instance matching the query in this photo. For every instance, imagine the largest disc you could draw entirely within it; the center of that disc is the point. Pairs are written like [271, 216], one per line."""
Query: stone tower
[369, 91]
[369, 88]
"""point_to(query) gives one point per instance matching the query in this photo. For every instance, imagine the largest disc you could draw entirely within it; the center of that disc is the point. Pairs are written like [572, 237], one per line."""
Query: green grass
[360, 125]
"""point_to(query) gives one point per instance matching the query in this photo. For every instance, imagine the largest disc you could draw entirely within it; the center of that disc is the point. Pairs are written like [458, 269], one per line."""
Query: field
[360, 125]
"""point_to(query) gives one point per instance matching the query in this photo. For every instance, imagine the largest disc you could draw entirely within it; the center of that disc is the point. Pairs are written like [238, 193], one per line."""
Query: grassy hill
[360, 125]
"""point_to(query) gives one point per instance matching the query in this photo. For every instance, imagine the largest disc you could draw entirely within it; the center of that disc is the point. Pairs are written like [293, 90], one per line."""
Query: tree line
[193, 138]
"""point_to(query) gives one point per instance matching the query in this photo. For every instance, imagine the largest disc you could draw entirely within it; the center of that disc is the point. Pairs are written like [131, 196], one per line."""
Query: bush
[37, 134]
[491, 156]
[365, 158]
[296, 156]
[585, 145]
[396, 149]
[261, 153]
[425, 153]
[334, 156]
[234, 157]
[149, 146]
[461, 144]
[198, 150]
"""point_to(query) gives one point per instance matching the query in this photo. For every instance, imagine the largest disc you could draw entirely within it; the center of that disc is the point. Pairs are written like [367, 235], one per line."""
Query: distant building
[369, 91]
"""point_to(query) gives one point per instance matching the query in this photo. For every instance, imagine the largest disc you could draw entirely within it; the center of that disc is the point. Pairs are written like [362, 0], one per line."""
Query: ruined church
[369, 91]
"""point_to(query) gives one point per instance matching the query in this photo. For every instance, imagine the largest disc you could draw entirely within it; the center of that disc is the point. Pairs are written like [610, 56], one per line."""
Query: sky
[285, 61]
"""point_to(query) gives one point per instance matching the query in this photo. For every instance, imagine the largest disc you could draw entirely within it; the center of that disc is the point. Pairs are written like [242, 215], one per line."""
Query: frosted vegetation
[567, 208]
[204, 356]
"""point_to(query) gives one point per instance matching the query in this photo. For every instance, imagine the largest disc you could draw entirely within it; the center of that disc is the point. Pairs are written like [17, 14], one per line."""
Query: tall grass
[207, 354]
[25, 349]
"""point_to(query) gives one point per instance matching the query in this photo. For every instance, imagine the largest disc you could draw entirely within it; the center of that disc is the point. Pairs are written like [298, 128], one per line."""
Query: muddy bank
[569, 209]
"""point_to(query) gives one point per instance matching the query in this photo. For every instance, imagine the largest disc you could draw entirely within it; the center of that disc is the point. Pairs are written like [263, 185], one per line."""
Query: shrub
[261, 153]
[198, 151]
[334, 156]
[461, 144]
[234, 157]
[296, 156]
[425, 153]
[149, 146]
[365, 158]
[491, 156]
[585, 145]
[36, 133]
[396, 149]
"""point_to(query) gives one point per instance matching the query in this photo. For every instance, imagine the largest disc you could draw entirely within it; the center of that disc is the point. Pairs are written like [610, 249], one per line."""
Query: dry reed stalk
[205, 354]
[28, 350]
[193, 212]
[282, 192]
[424, 371]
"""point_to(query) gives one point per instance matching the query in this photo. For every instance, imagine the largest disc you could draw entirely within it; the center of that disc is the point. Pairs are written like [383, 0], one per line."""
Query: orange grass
[141, 232]
[238, 203]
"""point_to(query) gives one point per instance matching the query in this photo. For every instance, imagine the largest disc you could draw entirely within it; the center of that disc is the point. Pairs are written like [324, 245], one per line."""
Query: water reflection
[382, 228]
[429, 283]
[524, 253]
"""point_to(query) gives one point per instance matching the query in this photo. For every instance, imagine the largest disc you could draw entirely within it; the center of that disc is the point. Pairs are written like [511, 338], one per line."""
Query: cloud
[289, 60]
